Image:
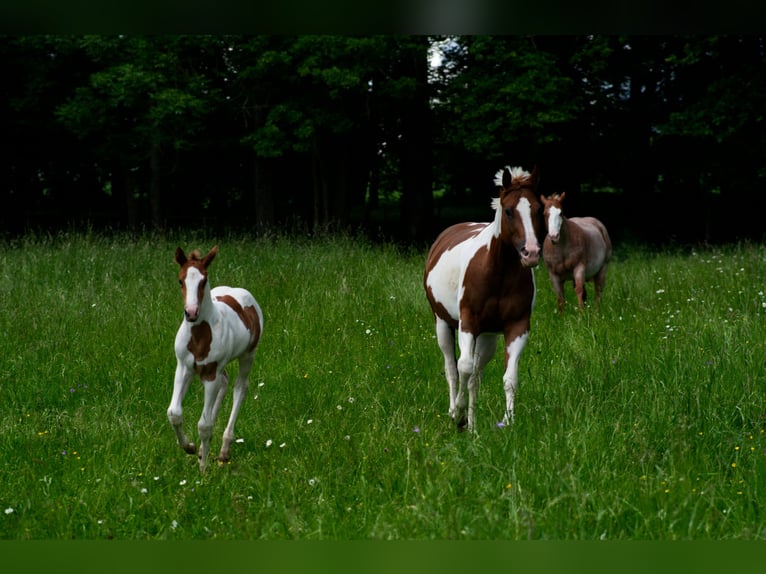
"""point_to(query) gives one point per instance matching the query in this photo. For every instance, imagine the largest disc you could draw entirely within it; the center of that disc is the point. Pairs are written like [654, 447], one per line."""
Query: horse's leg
[181, 382]
[465, 367]
[515, 341]
[486, 343]
[599, 281]
[223, 386]
[578, 277]
[445, 335]
[207, 420]
[241, 385]
[558, 289]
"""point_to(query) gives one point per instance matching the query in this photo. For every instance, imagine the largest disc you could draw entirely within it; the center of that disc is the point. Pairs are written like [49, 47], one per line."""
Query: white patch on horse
[446, 277]
[511, 376]
[497, 222]
[530, 238]
[554, 222]
[192, 302]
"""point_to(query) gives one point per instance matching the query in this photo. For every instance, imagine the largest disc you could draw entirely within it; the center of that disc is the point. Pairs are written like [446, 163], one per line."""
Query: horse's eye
[508, 212]
[181, 283]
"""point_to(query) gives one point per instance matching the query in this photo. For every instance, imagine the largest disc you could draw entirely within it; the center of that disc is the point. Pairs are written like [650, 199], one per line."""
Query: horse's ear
[180, 257]
[562, 196]
[535, 176]
[544, 199]
[208, 259]
[507, 178]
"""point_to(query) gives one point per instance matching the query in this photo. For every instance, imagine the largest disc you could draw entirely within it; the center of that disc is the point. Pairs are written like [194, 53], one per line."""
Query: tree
[145, 96]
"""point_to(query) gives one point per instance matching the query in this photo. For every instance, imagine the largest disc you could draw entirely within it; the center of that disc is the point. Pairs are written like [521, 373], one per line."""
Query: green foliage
[507, 91]
[639, 419]
[215, 120]
[141, 90]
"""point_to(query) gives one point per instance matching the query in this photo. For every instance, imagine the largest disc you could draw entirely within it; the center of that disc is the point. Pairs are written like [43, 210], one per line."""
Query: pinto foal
[219, 326]
[576, 248]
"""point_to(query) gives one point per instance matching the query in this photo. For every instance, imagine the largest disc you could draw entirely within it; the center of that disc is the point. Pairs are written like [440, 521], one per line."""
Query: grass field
[642, 419]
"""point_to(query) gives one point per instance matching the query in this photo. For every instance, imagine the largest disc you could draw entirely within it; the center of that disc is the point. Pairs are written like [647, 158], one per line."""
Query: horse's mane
[517, 174]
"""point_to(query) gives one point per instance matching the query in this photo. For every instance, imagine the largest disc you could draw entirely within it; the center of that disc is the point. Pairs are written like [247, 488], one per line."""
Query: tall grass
[639, 419]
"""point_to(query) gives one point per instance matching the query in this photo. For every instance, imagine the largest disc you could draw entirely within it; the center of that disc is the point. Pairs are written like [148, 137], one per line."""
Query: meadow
[643, 418]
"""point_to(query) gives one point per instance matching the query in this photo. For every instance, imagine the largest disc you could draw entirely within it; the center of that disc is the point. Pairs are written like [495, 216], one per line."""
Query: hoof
[190, 448]
[462, 424]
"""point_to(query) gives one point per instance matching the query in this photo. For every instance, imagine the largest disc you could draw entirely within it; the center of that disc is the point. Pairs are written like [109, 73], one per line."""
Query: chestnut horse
[576, 248]
[479, 281]
[219, 326]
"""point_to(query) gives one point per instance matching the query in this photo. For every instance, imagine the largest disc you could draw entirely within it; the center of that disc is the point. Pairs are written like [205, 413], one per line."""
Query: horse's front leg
[181, 382]
[515, 341]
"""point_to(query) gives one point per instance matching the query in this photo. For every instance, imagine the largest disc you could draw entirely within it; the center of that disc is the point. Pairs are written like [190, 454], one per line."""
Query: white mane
[516, 173]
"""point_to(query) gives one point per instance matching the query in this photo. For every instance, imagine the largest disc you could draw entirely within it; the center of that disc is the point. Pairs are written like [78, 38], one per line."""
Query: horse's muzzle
[191, 315]
[530, 257]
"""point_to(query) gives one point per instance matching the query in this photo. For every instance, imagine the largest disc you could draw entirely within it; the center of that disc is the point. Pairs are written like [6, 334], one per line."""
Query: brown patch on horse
[448, 239]
[487, 306]
[207, 372]
[440, 310]
[248, 316]
[199, 344]
[451, 237]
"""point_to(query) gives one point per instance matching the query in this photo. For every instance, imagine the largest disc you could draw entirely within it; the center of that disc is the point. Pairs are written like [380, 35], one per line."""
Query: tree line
[661, 136]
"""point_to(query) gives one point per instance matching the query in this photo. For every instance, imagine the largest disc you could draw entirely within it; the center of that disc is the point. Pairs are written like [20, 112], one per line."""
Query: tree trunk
[155, 202]
[416, 146]
[263, 202]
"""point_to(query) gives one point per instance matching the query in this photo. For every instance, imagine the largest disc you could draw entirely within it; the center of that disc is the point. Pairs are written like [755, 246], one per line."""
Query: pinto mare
[576, 248]
[219, 326]
[479, 281]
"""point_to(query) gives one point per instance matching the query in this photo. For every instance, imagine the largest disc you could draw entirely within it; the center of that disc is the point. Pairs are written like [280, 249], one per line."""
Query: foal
[576, 248]
[219, 326]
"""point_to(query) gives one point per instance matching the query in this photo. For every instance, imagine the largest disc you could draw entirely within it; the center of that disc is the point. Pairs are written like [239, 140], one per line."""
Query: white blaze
[554, 221]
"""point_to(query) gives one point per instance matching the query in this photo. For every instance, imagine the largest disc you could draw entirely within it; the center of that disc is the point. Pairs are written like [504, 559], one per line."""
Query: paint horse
[576, 248]
[479, 281]
[219, 326]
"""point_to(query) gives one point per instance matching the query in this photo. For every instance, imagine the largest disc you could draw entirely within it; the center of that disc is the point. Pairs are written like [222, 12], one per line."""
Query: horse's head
[193, 279]
[521, 224]
[553, 213]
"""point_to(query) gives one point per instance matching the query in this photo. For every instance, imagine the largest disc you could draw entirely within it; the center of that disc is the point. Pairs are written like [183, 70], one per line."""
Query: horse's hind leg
[445, 336]
[599, 281]
[241, 384]
[486, 344]
[578, 277]
[207, 419]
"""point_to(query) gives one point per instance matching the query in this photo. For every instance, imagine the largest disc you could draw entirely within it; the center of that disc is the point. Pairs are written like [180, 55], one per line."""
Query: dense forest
[661, 136]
